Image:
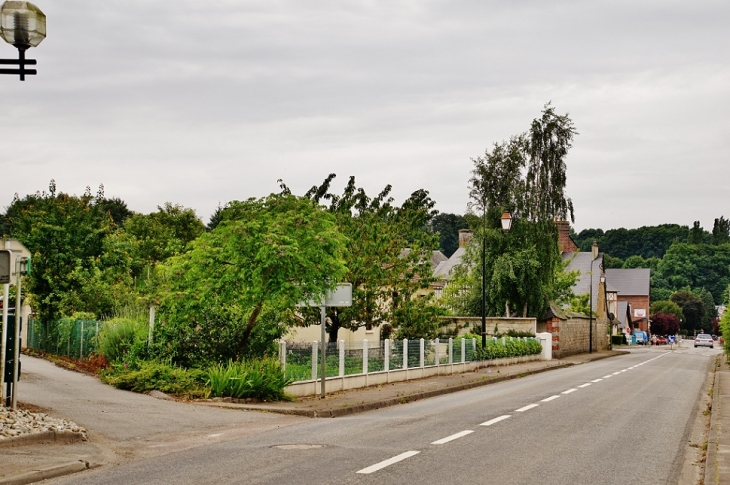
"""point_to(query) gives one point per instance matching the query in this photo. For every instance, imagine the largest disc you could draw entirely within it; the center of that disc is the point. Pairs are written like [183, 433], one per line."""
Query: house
[627, 291]
[632, 288]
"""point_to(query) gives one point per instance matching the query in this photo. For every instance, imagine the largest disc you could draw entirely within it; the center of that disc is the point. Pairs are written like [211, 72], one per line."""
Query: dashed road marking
[584, 385]
[495, 420]
[388, 462]
[452, 437]
[569, 391]
[526, 408]
[551, 398]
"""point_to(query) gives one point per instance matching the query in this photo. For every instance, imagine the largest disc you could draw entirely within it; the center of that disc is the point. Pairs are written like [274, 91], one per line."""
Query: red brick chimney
[567, 245]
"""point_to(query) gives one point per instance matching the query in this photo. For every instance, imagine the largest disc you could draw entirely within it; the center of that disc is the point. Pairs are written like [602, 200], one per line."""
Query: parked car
[641, 337]
[704, 340]
[661, 341]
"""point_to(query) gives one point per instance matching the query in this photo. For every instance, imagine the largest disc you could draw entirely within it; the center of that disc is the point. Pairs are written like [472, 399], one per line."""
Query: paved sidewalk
[375, 397]
[717, 467]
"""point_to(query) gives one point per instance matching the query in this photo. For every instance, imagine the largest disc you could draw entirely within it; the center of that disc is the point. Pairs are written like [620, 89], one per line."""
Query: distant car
[704, 340]
[641, 337]
[661, 341]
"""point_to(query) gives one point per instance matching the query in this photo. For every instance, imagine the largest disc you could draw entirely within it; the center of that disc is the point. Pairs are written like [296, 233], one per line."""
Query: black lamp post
[506, 221]
[23, 25]
[594, 255]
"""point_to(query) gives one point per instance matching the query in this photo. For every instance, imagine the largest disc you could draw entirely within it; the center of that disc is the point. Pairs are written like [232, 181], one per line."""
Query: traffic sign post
[339, 297]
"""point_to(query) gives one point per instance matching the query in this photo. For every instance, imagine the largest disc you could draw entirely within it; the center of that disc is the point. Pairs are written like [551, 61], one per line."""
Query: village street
[627, 419]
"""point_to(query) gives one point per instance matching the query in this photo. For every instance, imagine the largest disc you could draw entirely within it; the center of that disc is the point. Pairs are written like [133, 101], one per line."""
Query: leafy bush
[155, 375]
[123, 340]
[262, 379]
[495, 349]
[725, 329]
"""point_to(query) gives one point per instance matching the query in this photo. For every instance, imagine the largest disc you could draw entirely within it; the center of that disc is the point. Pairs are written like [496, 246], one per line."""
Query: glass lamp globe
[22, 24]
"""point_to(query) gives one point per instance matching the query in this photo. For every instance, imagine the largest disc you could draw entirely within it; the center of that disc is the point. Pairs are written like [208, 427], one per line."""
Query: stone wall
[571, 335]
[464, 325]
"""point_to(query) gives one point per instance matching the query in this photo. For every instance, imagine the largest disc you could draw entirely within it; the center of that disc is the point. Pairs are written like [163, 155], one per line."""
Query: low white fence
[366, 363]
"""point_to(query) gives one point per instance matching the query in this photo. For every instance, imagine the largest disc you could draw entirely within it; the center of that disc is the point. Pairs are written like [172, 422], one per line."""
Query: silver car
[704, 340]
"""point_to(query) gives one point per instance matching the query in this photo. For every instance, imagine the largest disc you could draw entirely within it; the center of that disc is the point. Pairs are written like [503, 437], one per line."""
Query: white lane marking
[452, 437]
[388, 462]
[495, 420]
[608, 376]
[597, 380]
[623, 370]
[584, 385]
[526, 408]
[615, 373]
[215, 435]
[551, 398]
[569, 391]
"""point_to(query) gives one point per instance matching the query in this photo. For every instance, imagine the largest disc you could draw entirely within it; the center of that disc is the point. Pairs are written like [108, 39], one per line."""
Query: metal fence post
[365, 356]
[405, 353]
[463, 351]
[451, 350]
[315, 344]
[386, 343]
[422, 353]
[437, 352]
[342, 358]
[81, 345]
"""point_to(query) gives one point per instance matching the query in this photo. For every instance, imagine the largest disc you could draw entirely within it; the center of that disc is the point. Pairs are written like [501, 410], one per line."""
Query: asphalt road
[616, 421]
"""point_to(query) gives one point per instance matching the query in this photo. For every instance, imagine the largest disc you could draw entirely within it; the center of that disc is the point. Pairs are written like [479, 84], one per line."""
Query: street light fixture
[594, 255]
[506, 221]
[23, 25]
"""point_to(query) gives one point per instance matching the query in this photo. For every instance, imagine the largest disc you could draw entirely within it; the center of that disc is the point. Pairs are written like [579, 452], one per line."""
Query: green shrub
[160, 376]
[495, 349]
[123, 340]
[261, 379]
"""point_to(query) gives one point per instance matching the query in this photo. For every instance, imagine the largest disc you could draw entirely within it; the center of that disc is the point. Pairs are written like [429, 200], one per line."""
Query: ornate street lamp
[23, 25]
[506, 221]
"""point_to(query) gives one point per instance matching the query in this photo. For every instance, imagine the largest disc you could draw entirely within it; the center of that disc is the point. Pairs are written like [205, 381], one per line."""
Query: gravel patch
[16, 422]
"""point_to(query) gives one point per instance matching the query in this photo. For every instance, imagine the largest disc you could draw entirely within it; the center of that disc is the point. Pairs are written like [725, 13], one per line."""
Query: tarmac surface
[30, 461]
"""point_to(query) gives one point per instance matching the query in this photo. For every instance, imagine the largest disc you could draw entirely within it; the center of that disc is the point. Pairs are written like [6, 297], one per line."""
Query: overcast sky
[202, 102]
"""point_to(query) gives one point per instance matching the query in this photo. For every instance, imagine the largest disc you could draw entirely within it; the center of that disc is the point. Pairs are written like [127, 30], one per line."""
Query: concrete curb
[42, 437]
[711, 465]
[45, 473]
[360, 408]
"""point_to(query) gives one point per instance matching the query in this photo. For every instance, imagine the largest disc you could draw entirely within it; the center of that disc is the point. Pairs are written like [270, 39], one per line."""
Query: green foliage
[245, 277]
[495, 349]
[721, 231]
[525, 176]
[259, 379]
[697, 266]
[666, 306]
[647, 241]
[725, 330]
[447, 227]
[417, 317]
[157, 375]
[67, 237]
[388, 256]
[580, 304]
[693, 309]
[123, 340]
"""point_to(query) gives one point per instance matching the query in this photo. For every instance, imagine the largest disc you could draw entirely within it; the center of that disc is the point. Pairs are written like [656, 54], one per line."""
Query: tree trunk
[249, 327]
[334, 325]
[506, 308]
[524, 311]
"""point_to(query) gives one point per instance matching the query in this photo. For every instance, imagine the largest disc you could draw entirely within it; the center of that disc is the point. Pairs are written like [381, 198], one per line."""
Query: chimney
[465, 236]
[567, 245]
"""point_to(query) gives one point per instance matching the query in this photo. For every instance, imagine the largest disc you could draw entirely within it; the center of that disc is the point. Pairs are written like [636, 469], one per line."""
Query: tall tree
[245, 277]
[692, 307]
[696, 234]
[525, 176]
[67, 237]
[721, 231]
[388, 255]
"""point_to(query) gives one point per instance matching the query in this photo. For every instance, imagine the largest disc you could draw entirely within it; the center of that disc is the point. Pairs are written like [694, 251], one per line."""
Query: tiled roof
[443, 270]
[629, 282]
